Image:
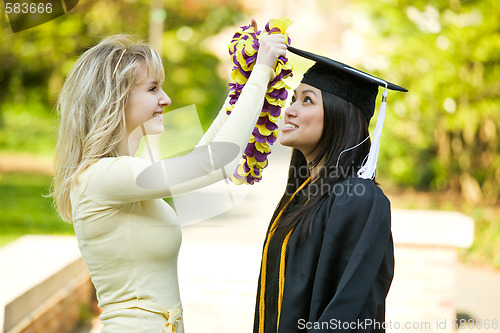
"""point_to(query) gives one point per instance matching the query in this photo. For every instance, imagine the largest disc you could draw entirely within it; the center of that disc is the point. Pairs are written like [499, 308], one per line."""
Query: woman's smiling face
[304, 121]
[145, 104]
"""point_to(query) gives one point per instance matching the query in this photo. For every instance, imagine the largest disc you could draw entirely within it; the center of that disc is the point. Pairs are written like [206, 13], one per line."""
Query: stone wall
[44, 284]
[423, 293]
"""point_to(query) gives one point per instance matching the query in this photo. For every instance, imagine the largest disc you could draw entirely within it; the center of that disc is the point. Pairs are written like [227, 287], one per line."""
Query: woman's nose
[165, 100]
[290, 111]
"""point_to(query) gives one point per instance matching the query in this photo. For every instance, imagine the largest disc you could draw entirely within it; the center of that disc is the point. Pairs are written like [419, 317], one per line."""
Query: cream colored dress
[130, 238]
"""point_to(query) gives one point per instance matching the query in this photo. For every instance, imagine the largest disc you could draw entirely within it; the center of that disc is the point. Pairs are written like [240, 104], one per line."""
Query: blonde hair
[91, 108]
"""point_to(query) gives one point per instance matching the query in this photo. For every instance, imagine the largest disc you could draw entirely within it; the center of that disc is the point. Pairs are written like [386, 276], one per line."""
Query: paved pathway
[478, 296]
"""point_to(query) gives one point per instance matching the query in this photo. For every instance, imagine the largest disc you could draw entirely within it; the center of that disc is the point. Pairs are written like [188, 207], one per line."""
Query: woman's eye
[293, 100]
[152, 89]
[307, 99]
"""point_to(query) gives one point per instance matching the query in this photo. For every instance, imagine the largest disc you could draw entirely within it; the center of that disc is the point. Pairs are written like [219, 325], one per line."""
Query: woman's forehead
[143, 75]
[303, 88]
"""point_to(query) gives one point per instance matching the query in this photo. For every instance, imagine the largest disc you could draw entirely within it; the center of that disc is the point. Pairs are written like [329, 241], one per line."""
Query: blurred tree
[36, 61]
[444, 133]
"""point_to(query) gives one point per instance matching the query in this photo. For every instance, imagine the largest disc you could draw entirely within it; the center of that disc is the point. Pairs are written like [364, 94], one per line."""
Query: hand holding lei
[243, 50]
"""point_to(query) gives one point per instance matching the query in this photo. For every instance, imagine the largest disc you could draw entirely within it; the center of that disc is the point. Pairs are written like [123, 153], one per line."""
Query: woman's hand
[271, 48]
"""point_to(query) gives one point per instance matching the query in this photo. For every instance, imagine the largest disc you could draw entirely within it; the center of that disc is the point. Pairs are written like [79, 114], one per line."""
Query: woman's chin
[159, 131]
[284, 142]
[154, 130]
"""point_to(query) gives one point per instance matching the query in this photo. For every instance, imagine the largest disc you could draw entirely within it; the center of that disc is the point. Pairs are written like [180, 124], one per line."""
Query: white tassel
[367, 171]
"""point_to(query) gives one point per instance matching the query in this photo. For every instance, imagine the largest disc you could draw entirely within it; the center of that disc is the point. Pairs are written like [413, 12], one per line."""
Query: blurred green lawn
[25, 210]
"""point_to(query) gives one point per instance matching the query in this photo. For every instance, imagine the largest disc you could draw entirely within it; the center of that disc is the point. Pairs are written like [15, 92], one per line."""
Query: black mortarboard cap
[344, 81]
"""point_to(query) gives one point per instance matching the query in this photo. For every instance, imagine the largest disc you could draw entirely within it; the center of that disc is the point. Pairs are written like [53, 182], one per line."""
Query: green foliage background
[443, 134]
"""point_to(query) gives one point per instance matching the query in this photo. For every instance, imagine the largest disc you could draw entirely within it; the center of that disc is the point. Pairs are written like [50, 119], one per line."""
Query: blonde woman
[128, 236]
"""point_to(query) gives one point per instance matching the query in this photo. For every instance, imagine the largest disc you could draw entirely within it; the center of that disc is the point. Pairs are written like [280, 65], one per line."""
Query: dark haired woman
[328, 258]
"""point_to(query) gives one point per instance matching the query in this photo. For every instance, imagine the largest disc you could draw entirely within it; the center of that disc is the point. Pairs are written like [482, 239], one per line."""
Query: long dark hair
[344, 126]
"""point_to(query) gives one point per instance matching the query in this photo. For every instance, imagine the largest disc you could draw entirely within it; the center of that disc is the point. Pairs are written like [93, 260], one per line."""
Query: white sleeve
[130, 179]
[216, 125]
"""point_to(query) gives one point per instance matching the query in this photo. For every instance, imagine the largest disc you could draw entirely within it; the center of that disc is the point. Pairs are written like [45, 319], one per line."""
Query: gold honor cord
[282, 265]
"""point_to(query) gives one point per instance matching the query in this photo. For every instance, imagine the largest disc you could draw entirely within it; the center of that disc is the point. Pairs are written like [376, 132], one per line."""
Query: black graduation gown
[337, 279]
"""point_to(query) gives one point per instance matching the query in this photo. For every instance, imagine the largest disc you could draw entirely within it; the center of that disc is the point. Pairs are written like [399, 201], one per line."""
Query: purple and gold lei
[243, 50]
